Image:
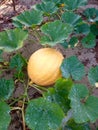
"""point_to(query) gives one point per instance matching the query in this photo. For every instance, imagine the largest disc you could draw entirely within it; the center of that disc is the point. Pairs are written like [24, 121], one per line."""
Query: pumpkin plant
[64, 104]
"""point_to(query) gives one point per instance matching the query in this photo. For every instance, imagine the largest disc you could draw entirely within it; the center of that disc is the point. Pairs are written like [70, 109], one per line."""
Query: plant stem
[16, 108]
[67, 118]
[4, 67]
[58, 16]
[36, 35]
[23, 117]
[23, 105]
[37, 89]
[42, 88]
[22, 110]
[15, 100]
[92, 89]
[26, 90]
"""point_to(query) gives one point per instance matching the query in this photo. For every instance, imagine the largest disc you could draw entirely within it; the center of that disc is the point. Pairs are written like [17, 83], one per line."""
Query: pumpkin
[44, 66]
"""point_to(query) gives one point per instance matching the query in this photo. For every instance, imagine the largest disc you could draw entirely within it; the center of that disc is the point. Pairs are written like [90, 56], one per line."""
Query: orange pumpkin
[44, 66]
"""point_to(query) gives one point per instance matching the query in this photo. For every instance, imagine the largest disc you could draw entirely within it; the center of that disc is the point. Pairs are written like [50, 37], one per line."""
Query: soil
[89, 57]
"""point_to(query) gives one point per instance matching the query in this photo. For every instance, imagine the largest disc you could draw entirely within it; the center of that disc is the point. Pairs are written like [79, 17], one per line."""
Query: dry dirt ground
[88, 56]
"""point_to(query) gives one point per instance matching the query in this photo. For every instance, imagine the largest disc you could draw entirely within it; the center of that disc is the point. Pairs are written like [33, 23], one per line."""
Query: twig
[14, 5]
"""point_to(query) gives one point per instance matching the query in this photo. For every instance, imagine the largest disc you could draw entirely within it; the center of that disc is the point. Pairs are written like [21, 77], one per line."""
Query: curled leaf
[55, 32]
[28, 18]
[47, 7]
[74, 4]
[71, 18]
[11, 40]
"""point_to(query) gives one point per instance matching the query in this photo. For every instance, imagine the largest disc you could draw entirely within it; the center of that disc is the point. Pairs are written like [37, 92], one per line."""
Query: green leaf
[89, 41]
[6, 88]
[93, 75]
[64, 44]
[71, 18]
[4, 116]
[55, 32]
[28, 18]
[85, 107]
[73, 42]
[17, 62]
[62, 1]
[72, 67]
[43, 115]
[71, 125]
[19, 75]
[11, 40]
[94, 28]
[91, 14]
[17, 24]
[74, 4]
[47, 7]
[1, 58]
[82, 28]
[55, 1]
[59, 94]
